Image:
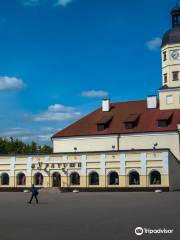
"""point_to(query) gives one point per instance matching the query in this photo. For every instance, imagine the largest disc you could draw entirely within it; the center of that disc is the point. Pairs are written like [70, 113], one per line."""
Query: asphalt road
[84, 216]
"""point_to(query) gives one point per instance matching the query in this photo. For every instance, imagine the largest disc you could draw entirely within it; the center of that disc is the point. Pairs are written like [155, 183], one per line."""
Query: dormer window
[164, 119]
[175, 75]
[131, 121]
[169, 99]
[104, 123]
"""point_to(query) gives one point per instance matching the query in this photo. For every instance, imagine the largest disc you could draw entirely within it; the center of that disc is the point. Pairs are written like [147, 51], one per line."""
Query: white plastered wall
[147, 141]
[85, 144]
[166, 140]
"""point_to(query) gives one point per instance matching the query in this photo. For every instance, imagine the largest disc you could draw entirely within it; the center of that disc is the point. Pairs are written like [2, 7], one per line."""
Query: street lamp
[75, 150]
[113, 148]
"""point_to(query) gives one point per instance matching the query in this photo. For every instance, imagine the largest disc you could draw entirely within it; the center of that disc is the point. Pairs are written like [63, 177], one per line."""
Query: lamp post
[75, 150]
[113, 148]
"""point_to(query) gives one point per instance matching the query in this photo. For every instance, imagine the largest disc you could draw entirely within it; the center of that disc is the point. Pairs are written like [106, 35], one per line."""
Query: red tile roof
[132, 118]
[165, 115]
[104, 119]
[148, 120]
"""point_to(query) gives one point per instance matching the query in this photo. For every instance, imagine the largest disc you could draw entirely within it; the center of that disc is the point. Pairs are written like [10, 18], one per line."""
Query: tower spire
[175, 13]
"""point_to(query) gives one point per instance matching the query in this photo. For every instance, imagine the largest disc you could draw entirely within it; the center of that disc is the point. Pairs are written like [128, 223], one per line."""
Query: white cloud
[10, 83]
[154, 43]
[31, 3]
[63, 3]
[94, 93]
[35, 3]
[60, 108]
[57, 112]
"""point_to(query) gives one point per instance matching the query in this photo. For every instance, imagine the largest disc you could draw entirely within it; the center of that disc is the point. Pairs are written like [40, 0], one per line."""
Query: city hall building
[131, 145]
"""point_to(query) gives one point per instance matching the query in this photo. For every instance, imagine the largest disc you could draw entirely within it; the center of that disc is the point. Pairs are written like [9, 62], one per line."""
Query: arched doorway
[38, 179]
[56, 179]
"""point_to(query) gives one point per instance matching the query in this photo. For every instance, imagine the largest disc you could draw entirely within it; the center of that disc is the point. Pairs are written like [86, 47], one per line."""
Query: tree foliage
[16, 146]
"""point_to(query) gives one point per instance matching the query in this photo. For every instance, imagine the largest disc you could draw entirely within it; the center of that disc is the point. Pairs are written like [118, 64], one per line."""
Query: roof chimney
[152, 102]
[106, 105]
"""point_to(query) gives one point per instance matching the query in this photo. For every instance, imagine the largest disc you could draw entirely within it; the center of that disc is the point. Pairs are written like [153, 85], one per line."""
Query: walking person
[34, 194]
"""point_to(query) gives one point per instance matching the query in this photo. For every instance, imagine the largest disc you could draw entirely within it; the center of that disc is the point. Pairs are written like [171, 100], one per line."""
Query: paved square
[84, 216]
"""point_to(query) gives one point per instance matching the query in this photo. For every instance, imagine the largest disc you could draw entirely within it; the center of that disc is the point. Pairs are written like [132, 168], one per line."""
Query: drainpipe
[118, 137]
[178, 130]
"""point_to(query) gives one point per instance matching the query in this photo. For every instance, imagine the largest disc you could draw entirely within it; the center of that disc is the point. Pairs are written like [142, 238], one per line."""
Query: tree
[16, 146]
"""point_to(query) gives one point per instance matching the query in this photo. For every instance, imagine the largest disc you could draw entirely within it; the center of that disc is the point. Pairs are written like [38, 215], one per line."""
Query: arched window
[38, 179]
[134, 178]
[113, 178]
[21, 179]
[4, 179]
[94, 178]
[74, 178]
[155, 177]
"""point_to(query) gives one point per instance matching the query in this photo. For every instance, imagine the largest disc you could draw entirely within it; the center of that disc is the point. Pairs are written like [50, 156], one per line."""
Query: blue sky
[59, 58]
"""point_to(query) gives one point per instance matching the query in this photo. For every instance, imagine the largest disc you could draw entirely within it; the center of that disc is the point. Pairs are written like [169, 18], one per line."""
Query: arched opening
[21, 179]
[56, 179]
[93, 178]
[134, 178]
[155, 177]
[5, 179]
[113, 178]
[74, 178]
[38, 179]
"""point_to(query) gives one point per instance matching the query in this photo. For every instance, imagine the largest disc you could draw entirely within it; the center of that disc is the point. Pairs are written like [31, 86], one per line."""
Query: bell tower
[169, 93]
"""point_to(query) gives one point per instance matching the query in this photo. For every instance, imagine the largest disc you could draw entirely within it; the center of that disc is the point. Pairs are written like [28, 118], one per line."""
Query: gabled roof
[147, 122]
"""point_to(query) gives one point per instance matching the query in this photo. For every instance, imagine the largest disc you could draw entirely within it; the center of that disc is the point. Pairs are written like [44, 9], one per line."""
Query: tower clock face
[175, 54]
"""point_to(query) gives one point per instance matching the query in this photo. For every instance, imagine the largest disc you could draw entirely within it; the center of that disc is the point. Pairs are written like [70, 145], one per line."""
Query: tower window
[175, 76]
[164, 56]
[165, 78]
[169, 99]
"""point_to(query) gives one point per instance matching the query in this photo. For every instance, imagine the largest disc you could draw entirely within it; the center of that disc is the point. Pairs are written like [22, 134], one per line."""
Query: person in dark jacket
[34, 194]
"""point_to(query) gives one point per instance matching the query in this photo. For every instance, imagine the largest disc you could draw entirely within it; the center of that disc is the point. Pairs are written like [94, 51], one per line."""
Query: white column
[102, 164]
[29, 168]
[143, 163]
[12, 163]
[83, 165]
[123, 165]
[165, 169]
